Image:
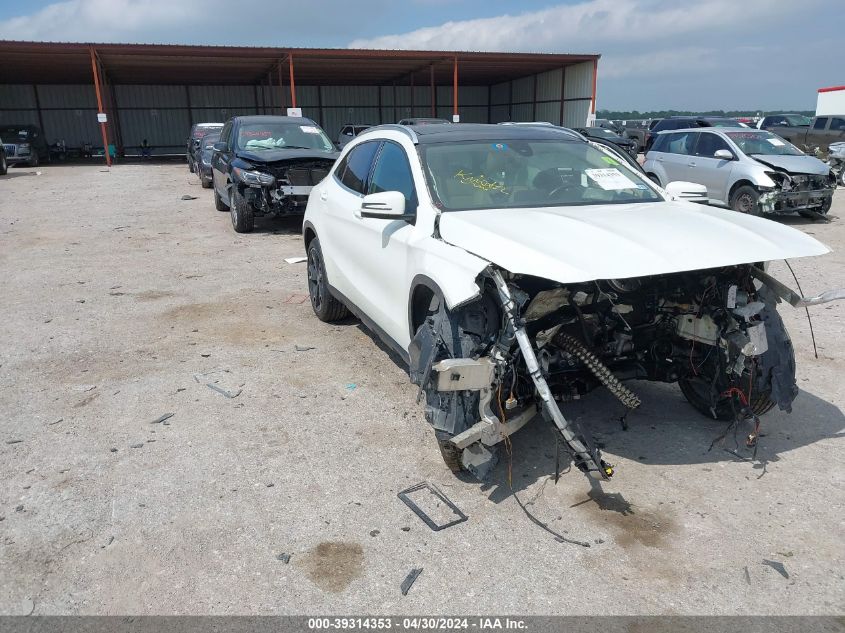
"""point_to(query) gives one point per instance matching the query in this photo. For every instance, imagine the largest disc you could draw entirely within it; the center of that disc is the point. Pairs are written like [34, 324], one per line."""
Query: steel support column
[100, 104]
[282, 88]
[292, 82]
[455, 89]
[595, 79]
[433, 92]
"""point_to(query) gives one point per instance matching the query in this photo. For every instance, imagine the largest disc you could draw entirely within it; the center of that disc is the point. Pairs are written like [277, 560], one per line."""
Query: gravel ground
[121, 302]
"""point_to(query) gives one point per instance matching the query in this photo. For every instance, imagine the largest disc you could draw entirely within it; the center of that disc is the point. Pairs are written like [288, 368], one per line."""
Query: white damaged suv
[516, 268]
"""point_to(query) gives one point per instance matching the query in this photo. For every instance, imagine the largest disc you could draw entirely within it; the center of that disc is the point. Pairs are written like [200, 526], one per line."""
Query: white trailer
[831, 101]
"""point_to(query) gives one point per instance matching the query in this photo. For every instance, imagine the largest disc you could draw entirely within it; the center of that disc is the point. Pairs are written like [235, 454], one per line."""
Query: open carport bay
[122, 302]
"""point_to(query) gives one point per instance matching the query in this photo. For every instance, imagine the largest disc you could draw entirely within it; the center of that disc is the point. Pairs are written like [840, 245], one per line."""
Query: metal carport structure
[157, 91]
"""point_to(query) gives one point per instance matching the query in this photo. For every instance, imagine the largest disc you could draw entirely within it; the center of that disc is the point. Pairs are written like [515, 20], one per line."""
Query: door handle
[324, 195]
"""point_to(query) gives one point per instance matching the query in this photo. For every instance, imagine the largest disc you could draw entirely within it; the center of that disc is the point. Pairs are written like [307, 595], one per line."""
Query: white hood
[572, 244]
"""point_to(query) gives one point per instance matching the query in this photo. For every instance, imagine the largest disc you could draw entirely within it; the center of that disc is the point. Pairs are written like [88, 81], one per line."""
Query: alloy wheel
[315, 279]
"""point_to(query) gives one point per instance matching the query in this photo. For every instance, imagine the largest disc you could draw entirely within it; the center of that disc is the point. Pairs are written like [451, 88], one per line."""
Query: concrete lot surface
[121, 302]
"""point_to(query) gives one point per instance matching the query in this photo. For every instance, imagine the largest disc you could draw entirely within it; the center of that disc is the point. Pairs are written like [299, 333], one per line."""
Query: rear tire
[218, 202]
[4, 166]
[190, 167]
[205, 183]
[33, 162]
[746, 200]
[243, 217]
[326, 306]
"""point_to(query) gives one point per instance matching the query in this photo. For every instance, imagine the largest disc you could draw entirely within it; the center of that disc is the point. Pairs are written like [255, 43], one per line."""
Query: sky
[656, 54]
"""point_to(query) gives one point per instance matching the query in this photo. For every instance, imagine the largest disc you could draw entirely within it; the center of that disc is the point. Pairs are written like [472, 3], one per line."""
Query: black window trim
[407, 162]
[369, 173]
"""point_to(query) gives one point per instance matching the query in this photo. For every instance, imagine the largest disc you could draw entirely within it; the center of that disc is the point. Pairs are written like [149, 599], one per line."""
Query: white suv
[516, 268]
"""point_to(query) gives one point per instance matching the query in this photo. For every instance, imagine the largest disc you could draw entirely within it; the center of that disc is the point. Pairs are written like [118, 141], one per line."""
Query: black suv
[267, 165]
[195, 136]
[24, 144]
[684, 122]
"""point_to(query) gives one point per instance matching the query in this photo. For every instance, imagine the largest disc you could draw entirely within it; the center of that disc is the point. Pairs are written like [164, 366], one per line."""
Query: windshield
[271, 135]
[528, 173]
[10, 133]
[763, 143]
[798, 119]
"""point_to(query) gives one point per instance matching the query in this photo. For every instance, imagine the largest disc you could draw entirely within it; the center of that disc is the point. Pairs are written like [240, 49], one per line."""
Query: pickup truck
[817, 137]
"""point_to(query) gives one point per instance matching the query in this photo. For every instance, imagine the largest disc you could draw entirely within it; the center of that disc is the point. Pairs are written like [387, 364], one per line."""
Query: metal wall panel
[306, 96]
[523, 89]
[149, 96]
[335, 118]
[22, 117]
[75, 127]
[548, 85]
[500, 94]
[579, 81]
[386, 96]
[349, 96]
[222, 96]
[522, 112]
[67, 96]
[163, 129]
[499, 113]
[469, 114]
[17, 96]
[274, 97]
[548, 112]
[575, 113]
[218, 115]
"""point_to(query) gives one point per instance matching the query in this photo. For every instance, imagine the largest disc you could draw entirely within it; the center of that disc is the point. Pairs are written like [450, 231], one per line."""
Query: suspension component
[586, 454]
[599, 370]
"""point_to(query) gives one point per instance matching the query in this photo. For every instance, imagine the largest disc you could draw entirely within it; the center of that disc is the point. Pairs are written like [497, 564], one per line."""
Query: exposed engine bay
[283, 187]
[529, 345]
[806, 194]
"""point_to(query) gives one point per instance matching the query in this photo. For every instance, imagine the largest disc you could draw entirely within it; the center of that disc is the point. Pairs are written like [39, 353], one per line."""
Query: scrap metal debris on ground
[777, 566]
[163, 419]
[405, 497]
[410, 579]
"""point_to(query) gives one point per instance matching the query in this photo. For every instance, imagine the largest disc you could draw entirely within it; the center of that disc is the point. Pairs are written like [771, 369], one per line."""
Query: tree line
[662, 114]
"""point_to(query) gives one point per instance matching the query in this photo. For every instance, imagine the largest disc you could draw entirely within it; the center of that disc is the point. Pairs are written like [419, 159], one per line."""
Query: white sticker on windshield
[610, 179]
[309, 129]
[776, 142]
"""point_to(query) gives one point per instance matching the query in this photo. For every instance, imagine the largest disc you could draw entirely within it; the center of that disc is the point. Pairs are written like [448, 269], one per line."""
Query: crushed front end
[282, 187]
[530, 346]
[807, 194]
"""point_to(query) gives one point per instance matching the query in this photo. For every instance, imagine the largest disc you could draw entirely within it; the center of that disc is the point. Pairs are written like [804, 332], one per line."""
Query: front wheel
[218, 202]
[33, 162]
[746, 199]
[327, 307]
[243, 217]
[205, 183]
[4, 166]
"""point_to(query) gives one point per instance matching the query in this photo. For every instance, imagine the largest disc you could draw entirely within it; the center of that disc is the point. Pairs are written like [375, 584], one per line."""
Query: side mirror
[220, 146]
[386, 205]
[723, 154]
[689, 191]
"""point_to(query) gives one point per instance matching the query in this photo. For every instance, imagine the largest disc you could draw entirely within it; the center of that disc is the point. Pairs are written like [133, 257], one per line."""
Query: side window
[393, 173]
[347, 131]
[226, 133]
[820, 123]
[680, 142]
[357, 168]
[837, 124]
[709, 144]
[659, 144]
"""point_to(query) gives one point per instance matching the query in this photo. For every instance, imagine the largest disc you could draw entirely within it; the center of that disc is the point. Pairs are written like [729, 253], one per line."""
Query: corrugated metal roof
[70, 62]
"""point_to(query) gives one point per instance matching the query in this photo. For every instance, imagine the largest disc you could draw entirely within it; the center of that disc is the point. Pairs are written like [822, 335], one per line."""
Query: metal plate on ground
[432, 506]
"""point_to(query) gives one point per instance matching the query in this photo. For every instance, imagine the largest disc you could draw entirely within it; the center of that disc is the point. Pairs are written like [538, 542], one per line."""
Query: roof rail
[396, 128]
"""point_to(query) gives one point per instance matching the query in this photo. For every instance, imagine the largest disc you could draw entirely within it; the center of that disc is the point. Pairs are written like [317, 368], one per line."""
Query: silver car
[748, 170]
